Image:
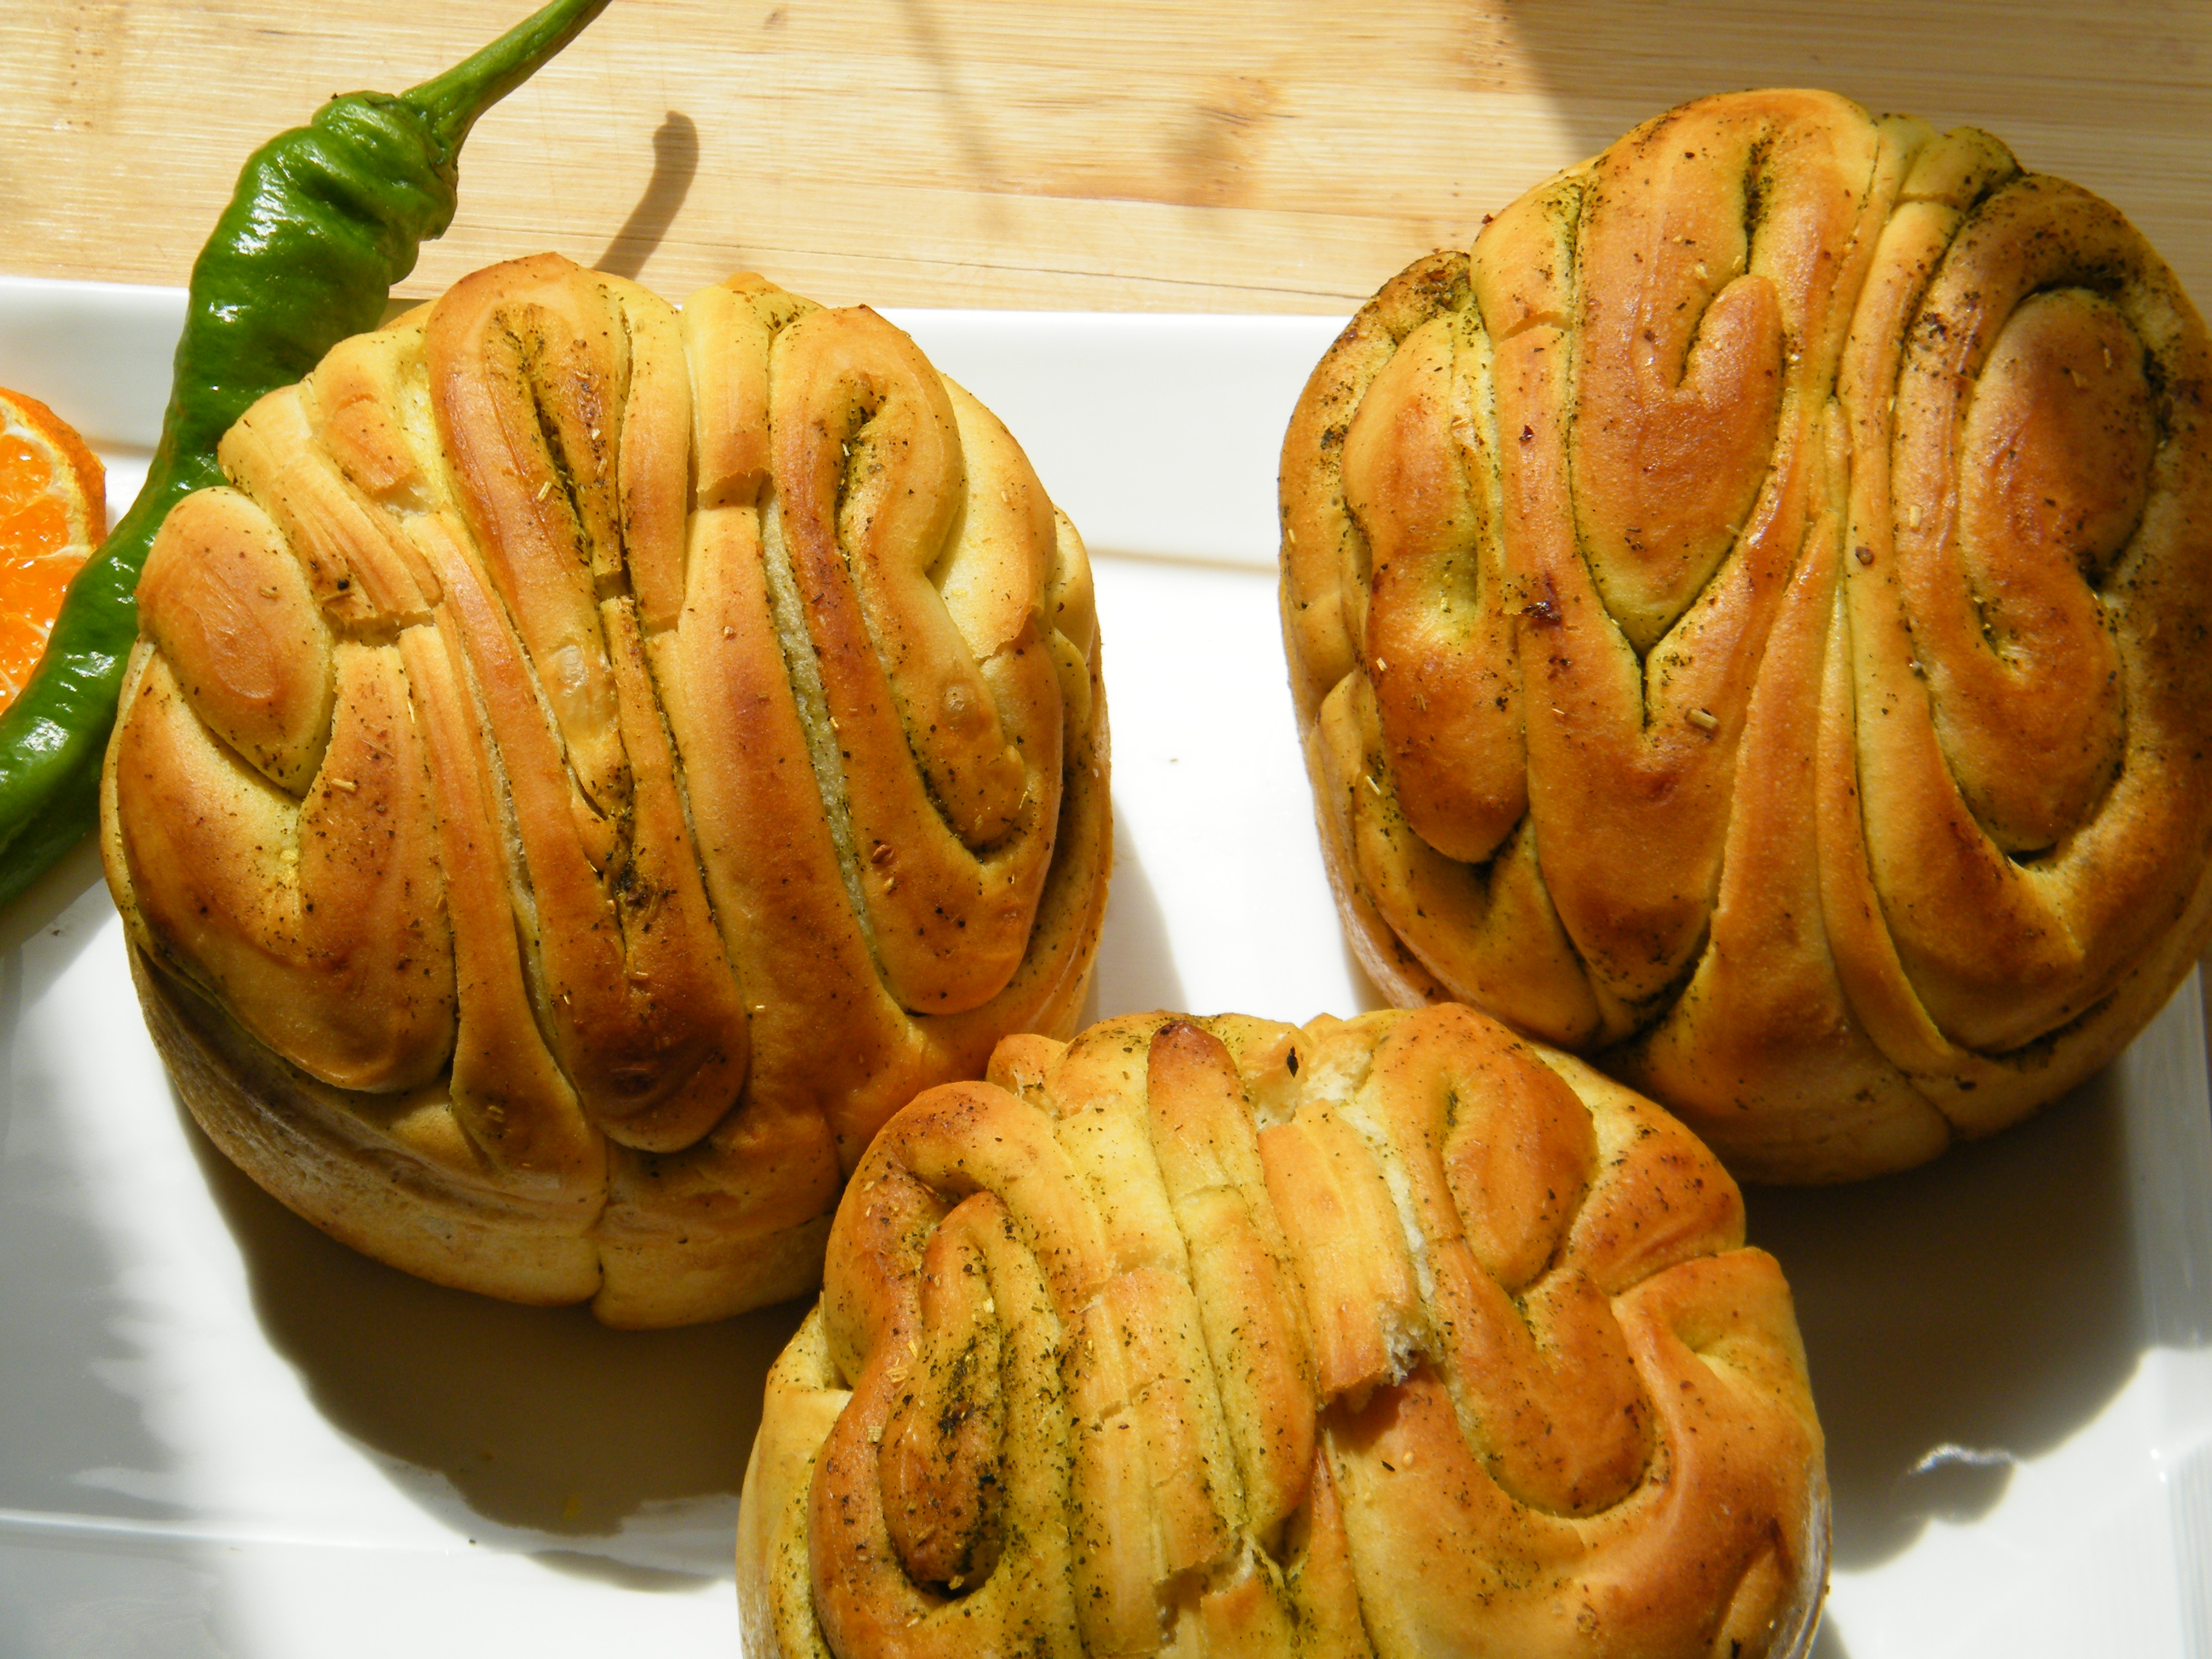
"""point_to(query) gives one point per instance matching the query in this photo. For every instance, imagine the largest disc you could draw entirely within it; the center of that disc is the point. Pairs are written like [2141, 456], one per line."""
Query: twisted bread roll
[1396, 1336]
[593, 767]
[1748, 621]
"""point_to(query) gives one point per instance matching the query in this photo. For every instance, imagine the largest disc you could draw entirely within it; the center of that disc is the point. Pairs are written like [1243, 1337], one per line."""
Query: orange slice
[53, 511]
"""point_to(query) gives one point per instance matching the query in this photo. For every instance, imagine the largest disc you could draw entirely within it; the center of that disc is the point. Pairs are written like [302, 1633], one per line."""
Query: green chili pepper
[324, 220]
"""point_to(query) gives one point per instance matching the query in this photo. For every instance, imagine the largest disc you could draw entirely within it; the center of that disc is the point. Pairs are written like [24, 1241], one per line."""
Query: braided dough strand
[1390, 1337]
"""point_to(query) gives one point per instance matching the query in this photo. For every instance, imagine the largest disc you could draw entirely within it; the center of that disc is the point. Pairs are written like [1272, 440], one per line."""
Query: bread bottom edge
[373, 1194]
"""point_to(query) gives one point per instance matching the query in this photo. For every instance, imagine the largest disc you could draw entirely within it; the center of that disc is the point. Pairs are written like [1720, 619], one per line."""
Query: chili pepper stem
[452, 101]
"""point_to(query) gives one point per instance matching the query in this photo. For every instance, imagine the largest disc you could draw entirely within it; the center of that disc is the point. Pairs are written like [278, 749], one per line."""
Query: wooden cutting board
[1234, 156]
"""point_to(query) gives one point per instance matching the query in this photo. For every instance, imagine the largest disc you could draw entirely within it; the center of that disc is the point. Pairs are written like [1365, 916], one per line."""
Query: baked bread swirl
[1396, 1336]
[1747, 619]
[590, 767]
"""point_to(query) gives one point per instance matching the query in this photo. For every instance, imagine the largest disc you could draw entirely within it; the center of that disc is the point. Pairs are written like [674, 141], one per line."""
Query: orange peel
[53, 512]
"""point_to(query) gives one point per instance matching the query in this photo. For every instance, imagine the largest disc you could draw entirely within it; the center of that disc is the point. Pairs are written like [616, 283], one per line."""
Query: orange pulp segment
[53, 511]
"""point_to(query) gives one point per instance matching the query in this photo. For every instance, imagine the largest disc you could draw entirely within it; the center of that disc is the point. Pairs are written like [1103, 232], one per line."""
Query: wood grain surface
[1236, 155]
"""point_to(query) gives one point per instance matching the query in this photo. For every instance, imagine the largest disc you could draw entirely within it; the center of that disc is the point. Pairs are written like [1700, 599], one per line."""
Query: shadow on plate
[1366, 997]
[74, 1367]
[615, 1454]
[1961, 1317]
[618, 1455]
[1136, 971]
[43, 907]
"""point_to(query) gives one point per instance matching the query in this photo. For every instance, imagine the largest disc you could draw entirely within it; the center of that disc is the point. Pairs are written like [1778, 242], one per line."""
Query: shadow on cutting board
[675, 160]
[2065, 85]
[1608, 64]
[1961, 1317]
[615, 1454]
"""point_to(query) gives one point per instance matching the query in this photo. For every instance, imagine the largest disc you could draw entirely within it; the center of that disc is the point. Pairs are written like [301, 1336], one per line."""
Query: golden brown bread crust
[1395, 1337]
[592, 764]
[1747, 624]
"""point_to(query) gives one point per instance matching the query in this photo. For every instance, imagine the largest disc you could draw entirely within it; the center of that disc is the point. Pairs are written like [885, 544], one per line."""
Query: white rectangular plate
[223, 1434]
